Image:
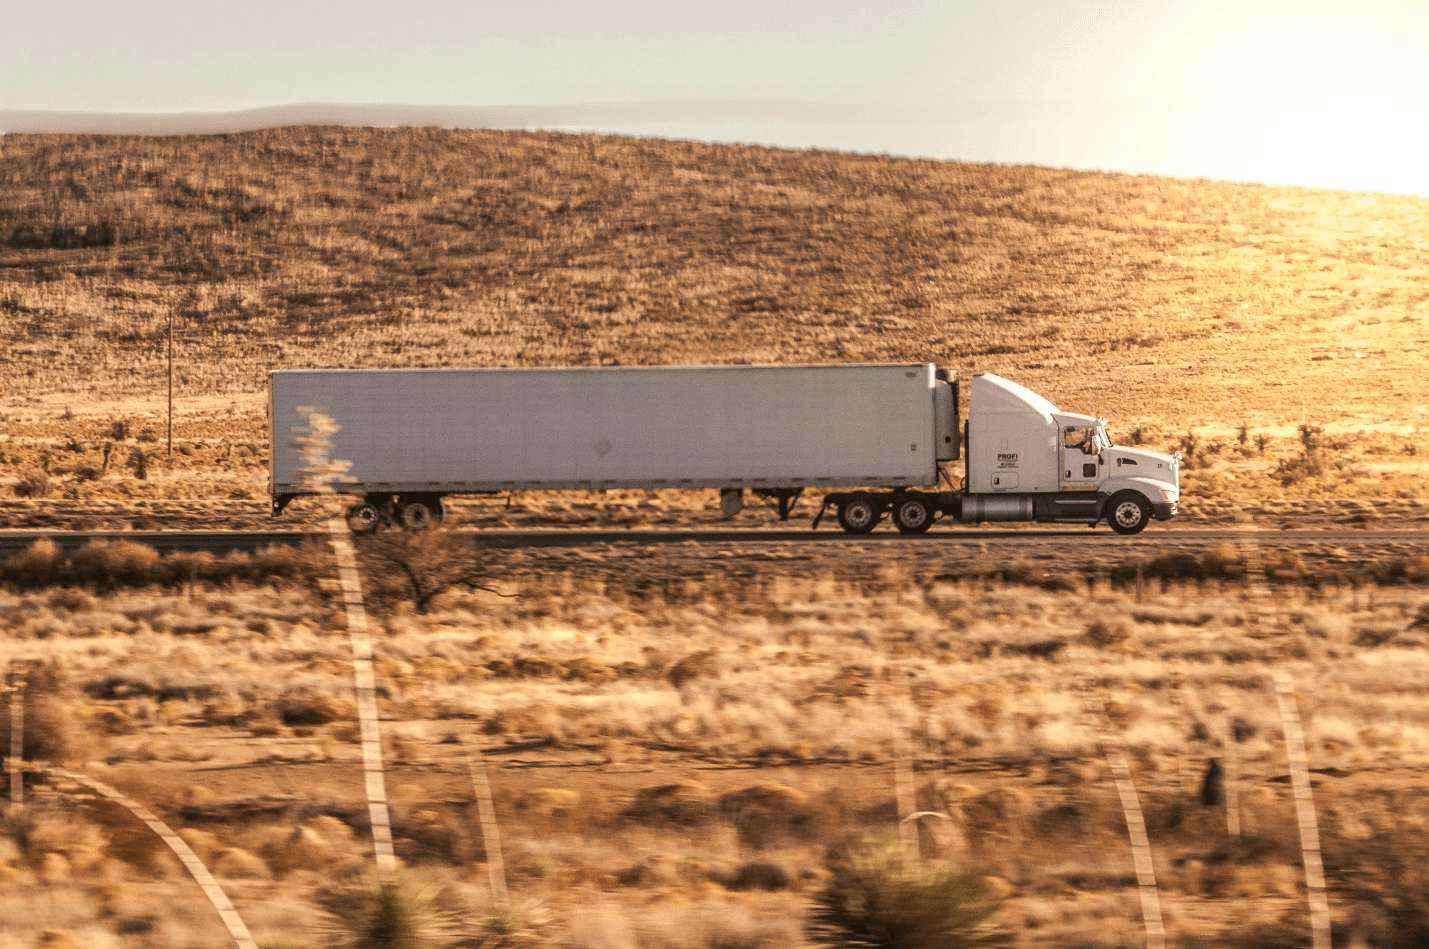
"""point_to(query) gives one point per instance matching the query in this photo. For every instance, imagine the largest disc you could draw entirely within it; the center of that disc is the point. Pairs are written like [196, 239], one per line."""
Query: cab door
[1081, 459]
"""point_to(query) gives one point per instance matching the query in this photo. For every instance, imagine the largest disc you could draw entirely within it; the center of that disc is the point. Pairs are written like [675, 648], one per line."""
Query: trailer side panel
[460, 430]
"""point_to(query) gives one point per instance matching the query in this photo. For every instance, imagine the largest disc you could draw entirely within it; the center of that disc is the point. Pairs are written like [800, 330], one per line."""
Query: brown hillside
[1140, 298]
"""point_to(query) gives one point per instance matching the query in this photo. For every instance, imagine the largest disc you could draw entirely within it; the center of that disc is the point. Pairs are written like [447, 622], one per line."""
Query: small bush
[39, 565]
[113, 563]
[16, 825]
[398, 911]
[766, 813]
[875, 899]
[1107, 633]
[307, 707]
[697, 665]
[420, 566]
[33, 484]
[686, 804]
[53, 732]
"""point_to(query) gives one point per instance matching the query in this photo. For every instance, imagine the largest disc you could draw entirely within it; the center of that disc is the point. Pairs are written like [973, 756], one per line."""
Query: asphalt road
[1153, 539]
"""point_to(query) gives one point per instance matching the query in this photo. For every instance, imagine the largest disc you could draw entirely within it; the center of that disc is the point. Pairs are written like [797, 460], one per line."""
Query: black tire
[912, 515]
[859, 515]
[420, 512]
[363, 518]
[1128, 513]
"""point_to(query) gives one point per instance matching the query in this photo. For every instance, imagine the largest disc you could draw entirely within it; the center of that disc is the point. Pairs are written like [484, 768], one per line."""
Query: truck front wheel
[858, 515]
[1128, 512]
[912, 515]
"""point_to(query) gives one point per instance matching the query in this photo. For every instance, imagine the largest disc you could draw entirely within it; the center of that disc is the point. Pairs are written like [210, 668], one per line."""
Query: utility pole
[171, 382]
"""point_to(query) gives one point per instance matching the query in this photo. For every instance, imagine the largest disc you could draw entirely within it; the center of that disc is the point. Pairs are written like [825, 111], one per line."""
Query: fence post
[486, 812]
[1232, 780]
[1096, 714]
[1304, 810]
[17, 743]
[905, 794]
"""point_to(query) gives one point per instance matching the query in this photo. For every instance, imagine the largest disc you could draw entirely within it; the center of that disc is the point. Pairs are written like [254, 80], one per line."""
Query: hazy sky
[1302, 92]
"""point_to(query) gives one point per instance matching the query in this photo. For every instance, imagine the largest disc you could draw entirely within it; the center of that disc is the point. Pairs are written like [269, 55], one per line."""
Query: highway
[1102, 539]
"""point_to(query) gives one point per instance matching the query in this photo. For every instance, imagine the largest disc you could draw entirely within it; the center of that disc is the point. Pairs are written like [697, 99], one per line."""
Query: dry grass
[1215, 315]
[698, 813]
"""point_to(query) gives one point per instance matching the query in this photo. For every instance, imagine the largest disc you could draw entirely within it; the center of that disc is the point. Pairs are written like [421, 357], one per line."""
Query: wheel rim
[912, 514]
[858, 514]
[1128, 514]
[416, 516]
[363, 517]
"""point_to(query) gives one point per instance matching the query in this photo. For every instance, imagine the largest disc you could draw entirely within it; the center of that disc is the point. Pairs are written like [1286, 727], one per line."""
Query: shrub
[33, 484]
[1106, 633]
[16, 825]
[1190, 446]
[308, 707]
[876, 899]
[765, 813]
[686, 804]
[37, 566]
[694, 666]
[1311, 437]
[419, 566]
[400, 911]
[112, 563]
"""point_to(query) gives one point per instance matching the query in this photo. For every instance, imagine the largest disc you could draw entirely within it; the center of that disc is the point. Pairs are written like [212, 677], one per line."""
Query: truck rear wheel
[912, 515]
[858, 515]
[363, 518]
[1128, 513]
[420, 512]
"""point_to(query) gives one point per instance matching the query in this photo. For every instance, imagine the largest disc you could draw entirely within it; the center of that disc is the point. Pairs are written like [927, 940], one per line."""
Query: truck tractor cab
[1029, 461]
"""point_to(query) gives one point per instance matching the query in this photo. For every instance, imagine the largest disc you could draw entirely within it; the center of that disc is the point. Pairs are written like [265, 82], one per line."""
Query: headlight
[1168, 494]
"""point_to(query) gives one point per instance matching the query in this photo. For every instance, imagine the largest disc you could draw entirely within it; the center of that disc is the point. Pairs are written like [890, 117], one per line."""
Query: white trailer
[878, 432]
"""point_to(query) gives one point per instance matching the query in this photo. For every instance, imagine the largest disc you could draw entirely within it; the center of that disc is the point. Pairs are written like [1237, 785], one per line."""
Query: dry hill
[1156, 302]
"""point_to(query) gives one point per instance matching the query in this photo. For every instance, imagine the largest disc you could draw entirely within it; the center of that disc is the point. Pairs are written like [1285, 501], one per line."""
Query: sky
[1311, 93]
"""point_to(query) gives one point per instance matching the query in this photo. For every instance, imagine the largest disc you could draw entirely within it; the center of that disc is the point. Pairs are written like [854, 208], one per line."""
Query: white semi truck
[880, 440]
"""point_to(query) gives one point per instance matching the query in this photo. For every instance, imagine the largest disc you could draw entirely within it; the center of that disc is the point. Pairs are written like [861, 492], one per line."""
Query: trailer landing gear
[781, 499]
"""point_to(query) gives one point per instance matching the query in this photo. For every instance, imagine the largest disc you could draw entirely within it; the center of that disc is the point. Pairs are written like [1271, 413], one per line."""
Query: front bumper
[1164, 511]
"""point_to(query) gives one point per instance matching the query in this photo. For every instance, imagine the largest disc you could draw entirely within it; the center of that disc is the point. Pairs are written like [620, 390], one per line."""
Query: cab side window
[1083, 439]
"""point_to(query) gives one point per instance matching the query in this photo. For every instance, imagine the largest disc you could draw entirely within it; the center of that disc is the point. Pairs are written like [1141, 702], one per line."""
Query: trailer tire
[859, 515]
[419, 513]
[912, 515]
[363, 518]
[1128, 513]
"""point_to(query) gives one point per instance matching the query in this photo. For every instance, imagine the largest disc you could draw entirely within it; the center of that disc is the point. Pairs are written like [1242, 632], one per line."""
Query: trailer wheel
[858, 515]
[363, 518]
[1128, 513]
[912, 515]
[419, 513]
